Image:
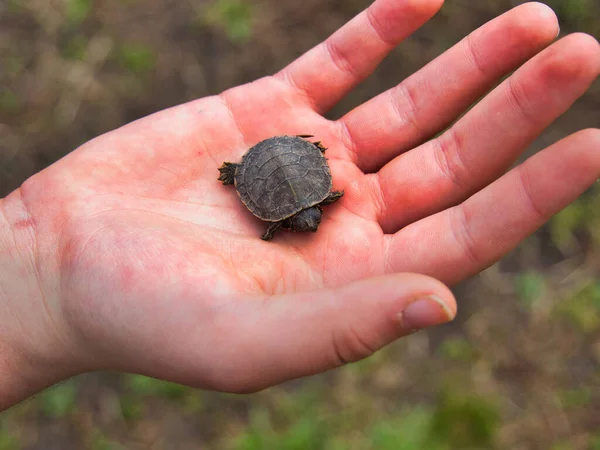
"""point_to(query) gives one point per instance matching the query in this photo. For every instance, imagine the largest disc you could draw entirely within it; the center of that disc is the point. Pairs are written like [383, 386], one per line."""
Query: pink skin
[139, 260]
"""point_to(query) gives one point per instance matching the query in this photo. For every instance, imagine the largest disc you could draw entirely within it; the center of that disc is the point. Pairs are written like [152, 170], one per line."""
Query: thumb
[306, 333]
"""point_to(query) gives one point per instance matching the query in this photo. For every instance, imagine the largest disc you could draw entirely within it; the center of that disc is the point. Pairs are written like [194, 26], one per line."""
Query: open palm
[159, 269]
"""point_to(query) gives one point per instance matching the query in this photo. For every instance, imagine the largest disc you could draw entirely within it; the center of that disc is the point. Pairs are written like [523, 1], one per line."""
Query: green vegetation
[455, 422]
[234, 17]
[136, 58]
[144, 386]
[577, 15]
[74, 48]
[101, 442]
[132, 407]
[582, 215]
[463, 420]
[9, 102]
[409, 431]
[78, 10]
[529, 287]
[59, 400]
[573, 11]
[14, 6]
[583, 308]
[306, 432]
[458, 349]
[7, 440]
[576, 398]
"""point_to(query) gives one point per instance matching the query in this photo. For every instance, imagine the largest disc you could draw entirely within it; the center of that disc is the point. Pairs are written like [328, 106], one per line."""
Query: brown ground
[527, 336]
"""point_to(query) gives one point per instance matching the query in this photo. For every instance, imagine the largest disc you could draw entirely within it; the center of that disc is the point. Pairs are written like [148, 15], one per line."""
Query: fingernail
[425, 312]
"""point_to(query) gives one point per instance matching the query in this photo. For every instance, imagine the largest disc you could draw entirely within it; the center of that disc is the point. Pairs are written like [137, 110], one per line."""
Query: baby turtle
[283, 180]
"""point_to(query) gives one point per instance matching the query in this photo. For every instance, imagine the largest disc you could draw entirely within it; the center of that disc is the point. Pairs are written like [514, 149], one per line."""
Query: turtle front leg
[333, 197]
[271, 231]
[228, 172]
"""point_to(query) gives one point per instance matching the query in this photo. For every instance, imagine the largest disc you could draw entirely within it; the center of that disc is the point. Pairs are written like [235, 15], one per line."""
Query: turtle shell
[281, 176]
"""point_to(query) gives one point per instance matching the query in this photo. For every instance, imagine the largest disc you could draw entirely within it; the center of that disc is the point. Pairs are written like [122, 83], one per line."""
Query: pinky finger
[466, 239]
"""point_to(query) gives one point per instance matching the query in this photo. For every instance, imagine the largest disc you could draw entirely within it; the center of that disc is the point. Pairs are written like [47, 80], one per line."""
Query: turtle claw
[271, 231]
[317, 144]
[333, 197]
[320, 146]
[227, 173]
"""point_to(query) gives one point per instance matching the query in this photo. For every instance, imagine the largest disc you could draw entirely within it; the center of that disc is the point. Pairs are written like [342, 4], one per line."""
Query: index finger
[331, 69]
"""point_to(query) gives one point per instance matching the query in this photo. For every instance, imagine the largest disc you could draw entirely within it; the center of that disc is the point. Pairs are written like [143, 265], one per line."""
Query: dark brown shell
[281, 176]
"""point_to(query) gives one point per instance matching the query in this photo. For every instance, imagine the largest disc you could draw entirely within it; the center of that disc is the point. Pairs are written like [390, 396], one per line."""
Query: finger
[431, 99]
[490, 137]
[327, 72]
[307, 333]
[464, 240]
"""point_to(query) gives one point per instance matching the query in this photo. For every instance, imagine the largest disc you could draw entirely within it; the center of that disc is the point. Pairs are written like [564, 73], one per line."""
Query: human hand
[141, 261]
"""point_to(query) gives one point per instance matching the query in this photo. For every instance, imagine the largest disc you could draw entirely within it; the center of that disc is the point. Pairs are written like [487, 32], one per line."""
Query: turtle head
[306, 220]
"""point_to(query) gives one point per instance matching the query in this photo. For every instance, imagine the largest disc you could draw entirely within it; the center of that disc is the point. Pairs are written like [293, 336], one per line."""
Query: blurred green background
[518, 369]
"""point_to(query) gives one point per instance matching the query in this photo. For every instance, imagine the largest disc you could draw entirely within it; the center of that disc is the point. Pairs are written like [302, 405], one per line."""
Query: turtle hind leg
[271, 231]
[333, 197]
[227, 172]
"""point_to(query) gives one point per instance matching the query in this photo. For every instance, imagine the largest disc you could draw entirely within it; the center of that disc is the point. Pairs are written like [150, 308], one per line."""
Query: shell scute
[281, 176]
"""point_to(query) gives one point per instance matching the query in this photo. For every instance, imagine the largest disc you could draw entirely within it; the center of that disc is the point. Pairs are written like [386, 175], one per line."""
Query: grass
[458, 349]
[7, 440]
[59, 401]
[9, 102]
[233, 17]
[456, 421]
[74, 48]
[582, 309]
[576, 397]
[145, 386]
[136, 58]
[101, 442]
[583, 215]
[529, 287]
[78, 10]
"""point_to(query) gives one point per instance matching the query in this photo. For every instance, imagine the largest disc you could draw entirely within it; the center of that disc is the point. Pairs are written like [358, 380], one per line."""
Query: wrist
[32, 354]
